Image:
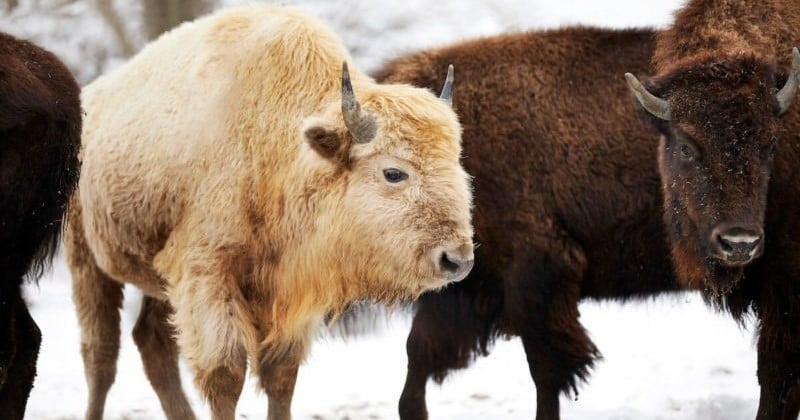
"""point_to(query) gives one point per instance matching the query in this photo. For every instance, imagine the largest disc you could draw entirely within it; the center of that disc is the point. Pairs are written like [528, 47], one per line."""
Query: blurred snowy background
[666, 358]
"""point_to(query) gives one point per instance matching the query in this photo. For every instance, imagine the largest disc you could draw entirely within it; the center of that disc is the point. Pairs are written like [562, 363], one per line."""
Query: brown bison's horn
[788, 92]
[652, 103]
[447, 90]
[360, 124]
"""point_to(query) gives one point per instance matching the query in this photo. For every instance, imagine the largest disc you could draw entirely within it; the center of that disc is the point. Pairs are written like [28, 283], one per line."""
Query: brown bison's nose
[456, 263]
[737, 244]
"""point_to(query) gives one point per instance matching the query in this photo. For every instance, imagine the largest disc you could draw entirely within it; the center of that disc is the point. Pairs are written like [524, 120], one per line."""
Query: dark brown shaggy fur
[721, 27]
[719, 67]
[40, 124]
[568, 202]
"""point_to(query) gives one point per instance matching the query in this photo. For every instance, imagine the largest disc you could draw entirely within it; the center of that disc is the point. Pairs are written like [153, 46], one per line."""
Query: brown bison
[40, 125]
[721, 99]
[568, 202]
[231, 174]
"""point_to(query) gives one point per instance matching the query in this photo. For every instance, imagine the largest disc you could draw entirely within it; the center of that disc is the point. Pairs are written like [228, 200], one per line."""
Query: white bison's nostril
[455, 265]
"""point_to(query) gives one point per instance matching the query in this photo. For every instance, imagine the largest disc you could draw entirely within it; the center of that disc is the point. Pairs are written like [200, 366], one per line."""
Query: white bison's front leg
[278, 378]
[221, 386]
[212, 335]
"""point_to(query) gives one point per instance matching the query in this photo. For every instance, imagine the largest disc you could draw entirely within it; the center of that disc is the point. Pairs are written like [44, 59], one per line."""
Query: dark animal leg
[8, 303]
[278, 380]
[19, 381]
[412, 405]
[450, 328]
[791, 408]
[778, 375]
[542, 305]
[154, 337]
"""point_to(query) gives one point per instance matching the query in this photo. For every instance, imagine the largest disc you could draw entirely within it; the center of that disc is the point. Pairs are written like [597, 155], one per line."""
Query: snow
[666, 358]
[669, 358]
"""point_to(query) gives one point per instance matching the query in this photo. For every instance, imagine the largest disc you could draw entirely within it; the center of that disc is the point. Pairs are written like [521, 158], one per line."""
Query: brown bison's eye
[394, 175]
[687, 153]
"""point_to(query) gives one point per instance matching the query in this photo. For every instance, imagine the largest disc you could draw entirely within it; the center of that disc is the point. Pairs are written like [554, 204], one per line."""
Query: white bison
[230, 173]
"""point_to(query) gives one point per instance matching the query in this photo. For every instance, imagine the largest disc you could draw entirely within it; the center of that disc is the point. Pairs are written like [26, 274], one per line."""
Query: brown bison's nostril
[737, 244]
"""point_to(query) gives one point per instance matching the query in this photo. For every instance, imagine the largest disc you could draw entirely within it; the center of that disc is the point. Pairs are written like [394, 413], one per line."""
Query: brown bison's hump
[548, 116]
[40, 125]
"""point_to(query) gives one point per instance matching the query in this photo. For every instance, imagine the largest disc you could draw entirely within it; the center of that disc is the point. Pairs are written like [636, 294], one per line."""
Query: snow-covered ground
[671, 358]
[668, 358]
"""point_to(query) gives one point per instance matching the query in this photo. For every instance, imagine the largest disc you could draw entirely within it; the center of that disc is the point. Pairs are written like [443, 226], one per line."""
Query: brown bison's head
[403, 221]
[719, 123]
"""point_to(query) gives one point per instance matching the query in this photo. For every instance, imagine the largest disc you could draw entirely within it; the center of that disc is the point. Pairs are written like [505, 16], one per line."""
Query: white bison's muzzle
[455, 263]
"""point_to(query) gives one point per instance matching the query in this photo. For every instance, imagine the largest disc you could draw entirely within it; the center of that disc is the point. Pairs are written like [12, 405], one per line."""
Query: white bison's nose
[455, 263]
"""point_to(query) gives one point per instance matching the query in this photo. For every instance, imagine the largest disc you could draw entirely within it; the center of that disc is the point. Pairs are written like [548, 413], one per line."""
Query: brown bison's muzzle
[737, 244]
[454, 264]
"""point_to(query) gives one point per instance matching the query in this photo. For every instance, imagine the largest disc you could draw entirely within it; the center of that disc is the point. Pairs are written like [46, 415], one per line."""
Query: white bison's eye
[394, 175]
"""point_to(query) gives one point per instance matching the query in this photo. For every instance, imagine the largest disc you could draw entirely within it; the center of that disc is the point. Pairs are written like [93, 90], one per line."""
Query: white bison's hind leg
[278, 379]
[154, 337]
[98, 300]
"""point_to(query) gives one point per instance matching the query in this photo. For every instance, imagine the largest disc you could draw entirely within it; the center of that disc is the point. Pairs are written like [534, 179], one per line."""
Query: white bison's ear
[325, 139]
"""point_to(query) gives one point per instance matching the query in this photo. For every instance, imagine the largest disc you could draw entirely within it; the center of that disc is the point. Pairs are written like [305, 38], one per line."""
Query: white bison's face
[403, 223]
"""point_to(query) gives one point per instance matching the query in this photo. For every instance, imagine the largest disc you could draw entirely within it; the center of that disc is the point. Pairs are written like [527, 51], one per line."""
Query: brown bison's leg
[779, 360]
[278, 379]
[22, 370]
[8, 304]
[450, 327]
[779, 387]
[542, 302]
[791, 409]
[154, 337]
[98, 300]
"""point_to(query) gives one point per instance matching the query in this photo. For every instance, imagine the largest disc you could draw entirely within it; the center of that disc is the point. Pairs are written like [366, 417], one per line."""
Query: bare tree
[11, 5]
[162, 15]
[112, 18]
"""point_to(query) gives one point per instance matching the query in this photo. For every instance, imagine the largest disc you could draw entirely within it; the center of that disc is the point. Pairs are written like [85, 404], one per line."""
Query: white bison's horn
[447, 90]
[652, 103]
[361, 125]
[788, 92]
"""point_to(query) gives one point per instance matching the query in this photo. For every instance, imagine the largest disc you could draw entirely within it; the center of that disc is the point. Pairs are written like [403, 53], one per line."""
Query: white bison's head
[400, 224]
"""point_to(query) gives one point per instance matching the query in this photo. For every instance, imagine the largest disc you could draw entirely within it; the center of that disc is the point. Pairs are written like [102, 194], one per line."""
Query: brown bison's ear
[326, 140]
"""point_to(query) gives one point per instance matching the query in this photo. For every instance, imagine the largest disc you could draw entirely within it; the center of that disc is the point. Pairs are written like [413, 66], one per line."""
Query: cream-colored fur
[199, 186]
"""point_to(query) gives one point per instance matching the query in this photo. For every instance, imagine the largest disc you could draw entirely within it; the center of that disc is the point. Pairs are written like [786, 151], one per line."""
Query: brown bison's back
[553, 143]
[40, 124]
